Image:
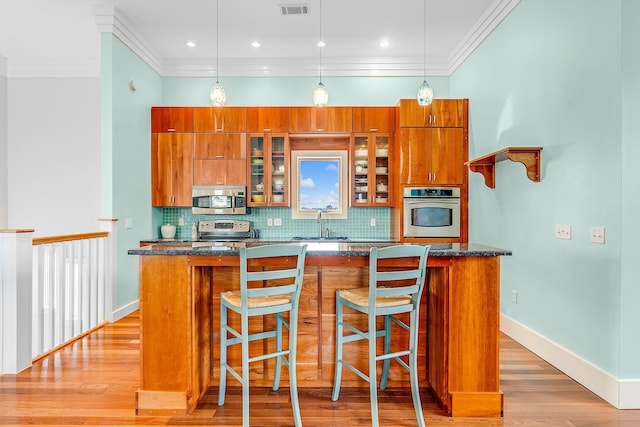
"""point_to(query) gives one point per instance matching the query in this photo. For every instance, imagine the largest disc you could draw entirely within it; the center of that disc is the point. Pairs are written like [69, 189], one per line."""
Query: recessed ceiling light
[255, 44]
[384, 43]
[190, 44]
[321, 44]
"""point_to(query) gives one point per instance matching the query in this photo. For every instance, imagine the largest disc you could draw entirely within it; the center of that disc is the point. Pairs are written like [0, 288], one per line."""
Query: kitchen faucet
[319, 221]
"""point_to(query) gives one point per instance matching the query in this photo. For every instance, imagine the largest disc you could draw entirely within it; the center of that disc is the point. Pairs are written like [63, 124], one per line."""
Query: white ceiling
[62, 37]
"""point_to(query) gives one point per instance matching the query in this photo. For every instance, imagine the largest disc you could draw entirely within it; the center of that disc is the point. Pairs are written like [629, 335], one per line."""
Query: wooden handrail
[68, 237]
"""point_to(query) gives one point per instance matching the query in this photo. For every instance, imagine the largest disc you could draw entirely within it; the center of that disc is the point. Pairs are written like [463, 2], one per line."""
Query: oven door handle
[432, 202]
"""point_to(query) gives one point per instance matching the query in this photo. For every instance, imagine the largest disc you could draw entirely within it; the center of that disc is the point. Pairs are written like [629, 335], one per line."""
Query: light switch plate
[563, 231]
[597, 235]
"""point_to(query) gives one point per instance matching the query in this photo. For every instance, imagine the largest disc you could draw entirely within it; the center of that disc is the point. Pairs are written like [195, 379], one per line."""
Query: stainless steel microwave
[219, 200]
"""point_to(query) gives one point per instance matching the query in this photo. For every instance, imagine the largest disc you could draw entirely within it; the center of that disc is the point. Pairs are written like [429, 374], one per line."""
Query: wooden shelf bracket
[486, 165]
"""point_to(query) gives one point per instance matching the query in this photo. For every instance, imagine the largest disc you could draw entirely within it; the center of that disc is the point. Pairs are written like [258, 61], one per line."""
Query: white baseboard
[623, 394]
[126, 310]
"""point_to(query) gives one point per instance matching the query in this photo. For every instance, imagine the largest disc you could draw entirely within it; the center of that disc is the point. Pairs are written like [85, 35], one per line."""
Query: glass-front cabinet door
[269, 168]
[370, 166]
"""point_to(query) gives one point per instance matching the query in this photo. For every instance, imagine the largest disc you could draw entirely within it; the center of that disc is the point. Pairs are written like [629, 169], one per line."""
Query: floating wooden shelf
[486, 165]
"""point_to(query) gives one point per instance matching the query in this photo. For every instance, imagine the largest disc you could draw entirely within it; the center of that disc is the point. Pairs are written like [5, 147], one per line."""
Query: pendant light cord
[320, 43]
[217, 38]
[424, 39]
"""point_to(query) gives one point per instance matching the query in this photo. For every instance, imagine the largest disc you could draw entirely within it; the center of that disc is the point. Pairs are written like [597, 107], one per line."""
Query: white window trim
[343, 172]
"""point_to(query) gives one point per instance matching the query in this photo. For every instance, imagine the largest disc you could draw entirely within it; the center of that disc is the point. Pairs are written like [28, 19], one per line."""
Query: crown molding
[54, 68]
[489, 20]
[110, 20]
[306, 67]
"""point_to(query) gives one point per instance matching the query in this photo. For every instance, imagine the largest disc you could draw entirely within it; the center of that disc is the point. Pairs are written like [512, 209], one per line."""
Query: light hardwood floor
[93, 381]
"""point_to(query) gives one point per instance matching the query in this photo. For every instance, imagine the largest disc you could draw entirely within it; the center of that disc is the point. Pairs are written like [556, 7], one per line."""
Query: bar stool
[400, 293]
[270, 298]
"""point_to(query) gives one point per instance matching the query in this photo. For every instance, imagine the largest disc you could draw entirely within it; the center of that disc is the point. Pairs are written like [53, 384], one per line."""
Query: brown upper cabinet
[220, 119]
[171, 119]
[320, 119]
[220, 159]
[171, 169]
[374, 119]
[267, 119]
[441, 113]
[432, 156]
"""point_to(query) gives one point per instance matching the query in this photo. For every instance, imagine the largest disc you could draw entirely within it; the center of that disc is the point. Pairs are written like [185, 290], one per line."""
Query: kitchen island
[180, 284]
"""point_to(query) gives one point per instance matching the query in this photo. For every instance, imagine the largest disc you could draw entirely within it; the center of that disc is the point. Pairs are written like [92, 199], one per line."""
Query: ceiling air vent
[294, 9]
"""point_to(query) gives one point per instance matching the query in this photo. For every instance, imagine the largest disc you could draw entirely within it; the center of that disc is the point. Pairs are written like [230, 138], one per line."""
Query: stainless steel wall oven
[431, 212]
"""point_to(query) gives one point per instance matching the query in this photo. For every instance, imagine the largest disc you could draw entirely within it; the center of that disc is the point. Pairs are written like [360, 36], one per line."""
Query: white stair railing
[69, 293]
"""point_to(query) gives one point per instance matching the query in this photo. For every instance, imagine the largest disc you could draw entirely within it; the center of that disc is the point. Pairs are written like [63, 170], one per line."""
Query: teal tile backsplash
[357, 226]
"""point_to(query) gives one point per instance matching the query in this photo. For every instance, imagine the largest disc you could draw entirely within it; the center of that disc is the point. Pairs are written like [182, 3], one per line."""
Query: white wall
[54, 145]
[3, 143]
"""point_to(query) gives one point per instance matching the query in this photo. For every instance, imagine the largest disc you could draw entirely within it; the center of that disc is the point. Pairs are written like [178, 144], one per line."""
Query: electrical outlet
[563, 231]
[514, 296]
[181, 221]
[128, 223]
[597, 235]
[373, 222]
[277, 222]
[269, 222]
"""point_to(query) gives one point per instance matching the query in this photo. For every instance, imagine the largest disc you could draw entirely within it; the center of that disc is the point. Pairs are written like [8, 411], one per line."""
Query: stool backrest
[398, 276]
[281, 262]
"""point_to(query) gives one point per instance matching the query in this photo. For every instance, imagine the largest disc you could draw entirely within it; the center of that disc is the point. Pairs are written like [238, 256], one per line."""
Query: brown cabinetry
[371, 170]
[374, 119]
[441, 113]
[220, 119]
[431, 156]
[267, 119]
[171, 169]
[220, 159]
[320, 119]
[268, 169]
[171, 119]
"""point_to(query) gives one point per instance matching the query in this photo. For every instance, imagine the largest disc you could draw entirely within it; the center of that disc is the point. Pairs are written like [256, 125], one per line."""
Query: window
[319, 182]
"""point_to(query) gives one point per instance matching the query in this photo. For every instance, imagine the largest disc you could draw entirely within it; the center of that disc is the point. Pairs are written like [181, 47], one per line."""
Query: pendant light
[320, 94]
[218, 96]
[425, 92]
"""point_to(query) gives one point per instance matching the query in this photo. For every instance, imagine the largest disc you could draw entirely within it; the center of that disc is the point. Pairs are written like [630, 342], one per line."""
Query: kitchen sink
[328, 239]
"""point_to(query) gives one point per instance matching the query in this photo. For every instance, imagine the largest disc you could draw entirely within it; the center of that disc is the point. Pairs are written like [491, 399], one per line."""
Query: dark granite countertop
[314, 248]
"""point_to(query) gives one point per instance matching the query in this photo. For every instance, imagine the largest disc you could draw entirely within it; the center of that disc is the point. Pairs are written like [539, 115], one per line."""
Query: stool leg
[293, 381]
[387, 349]
[245, 370]
[373, 383]
[223, 354]
[278, 360]
[413, 368]
[338, 340]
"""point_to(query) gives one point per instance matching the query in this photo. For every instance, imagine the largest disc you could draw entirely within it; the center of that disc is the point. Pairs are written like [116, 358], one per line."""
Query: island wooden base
[179, 311]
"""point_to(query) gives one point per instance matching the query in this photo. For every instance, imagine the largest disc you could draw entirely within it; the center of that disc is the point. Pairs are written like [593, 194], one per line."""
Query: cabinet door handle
[319, 130]
[219, 157]
[171, 129]
[373, 130]
[267, 129]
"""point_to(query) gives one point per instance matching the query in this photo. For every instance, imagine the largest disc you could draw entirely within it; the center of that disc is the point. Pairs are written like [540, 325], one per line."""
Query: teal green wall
[298, 90]
[127, 154]
[550, 75]
[630, 290]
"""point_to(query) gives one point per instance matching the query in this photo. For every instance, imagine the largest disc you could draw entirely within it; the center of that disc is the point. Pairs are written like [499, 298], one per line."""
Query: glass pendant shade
[425, 94]
[320, 95]
[218, 95]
